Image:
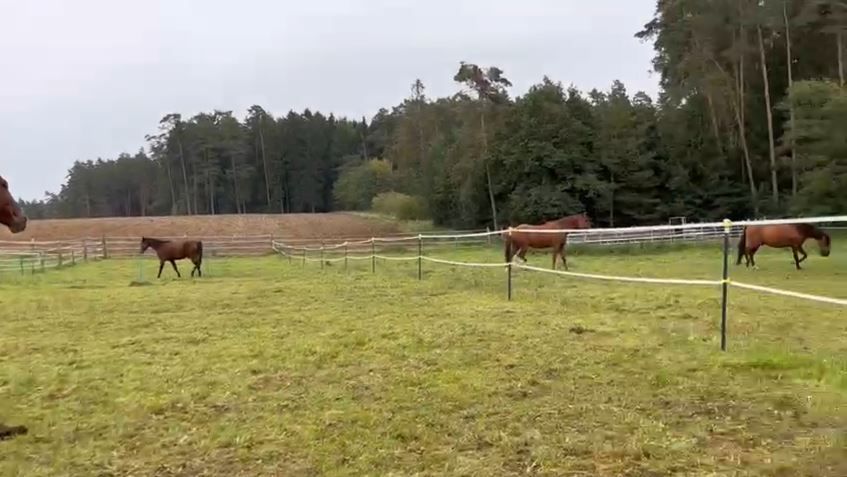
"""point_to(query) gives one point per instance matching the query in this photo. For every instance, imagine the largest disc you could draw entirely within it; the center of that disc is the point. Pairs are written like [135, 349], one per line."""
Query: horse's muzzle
[19, 225]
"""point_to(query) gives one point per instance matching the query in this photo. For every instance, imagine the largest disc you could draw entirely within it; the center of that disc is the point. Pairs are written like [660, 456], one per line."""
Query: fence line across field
[30, 263]
[618, 278]
[57, 253]
[788, 293]
[651, 228]
[725, 230]
[224, 245]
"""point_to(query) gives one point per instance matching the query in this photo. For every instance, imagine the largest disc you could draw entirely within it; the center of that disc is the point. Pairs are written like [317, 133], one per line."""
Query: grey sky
[89, 78]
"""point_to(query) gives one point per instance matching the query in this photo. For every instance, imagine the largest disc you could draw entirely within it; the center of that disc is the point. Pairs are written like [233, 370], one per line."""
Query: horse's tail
[742, 245]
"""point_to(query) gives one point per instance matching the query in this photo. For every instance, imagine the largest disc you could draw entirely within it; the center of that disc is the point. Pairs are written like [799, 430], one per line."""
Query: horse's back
[775, 235]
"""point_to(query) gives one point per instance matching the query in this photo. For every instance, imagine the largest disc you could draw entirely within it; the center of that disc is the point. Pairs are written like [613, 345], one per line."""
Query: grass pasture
[270, 368]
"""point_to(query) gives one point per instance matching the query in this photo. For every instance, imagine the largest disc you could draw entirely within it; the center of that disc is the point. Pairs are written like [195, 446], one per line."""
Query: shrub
[359, 183]
[400, 206]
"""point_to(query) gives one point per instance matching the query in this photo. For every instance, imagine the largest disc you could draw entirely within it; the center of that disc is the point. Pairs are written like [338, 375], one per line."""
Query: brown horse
[14, 219]
[172, 250]
[781, 236]
[518, 242]
[10, 214]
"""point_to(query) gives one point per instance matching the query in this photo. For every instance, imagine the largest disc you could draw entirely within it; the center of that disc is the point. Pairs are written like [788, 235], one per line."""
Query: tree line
[749, 123]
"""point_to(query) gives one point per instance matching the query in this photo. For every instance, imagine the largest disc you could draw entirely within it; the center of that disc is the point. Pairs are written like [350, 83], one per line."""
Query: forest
[749, 123]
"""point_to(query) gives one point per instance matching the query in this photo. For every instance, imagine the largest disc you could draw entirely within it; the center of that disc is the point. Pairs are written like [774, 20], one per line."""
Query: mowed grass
[266, 367]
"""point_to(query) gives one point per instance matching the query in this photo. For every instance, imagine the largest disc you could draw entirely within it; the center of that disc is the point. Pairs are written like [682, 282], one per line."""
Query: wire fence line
[54, 254]
[286, 250]
[618, 278]
[722, 230]
[788, 293]
[257, 245]
[31, 262]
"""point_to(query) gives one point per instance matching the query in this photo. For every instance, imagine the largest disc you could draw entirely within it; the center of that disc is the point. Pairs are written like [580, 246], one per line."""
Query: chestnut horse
[518, 242]
[781, 236]
[14, 219]
[172, 250]
[10, 214]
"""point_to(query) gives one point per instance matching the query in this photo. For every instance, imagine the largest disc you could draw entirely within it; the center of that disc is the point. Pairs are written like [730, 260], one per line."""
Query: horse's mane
[567, 218]
[813, 231]
[154, 241]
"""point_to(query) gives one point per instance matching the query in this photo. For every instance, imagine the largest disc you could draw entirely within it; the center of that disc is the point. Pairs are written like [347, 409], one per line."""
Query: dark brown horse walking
[12, 217]
[172, 250]
[518, 242]
[781, 236]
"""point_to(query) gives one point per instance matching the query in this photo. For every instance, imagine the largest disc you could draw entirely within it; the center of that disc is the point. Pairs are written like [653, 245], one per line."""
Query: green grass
[270, 368]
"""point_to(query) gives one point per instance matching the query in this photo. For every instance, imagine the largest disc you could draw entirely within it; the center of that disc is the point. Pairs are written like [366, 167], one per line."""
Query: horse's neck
[812, 231]
[155, 244]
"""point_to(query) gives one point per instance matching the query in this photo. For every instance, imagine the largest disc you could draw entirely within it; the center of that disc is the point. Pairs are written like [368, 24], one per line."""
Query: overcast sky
[83, 79]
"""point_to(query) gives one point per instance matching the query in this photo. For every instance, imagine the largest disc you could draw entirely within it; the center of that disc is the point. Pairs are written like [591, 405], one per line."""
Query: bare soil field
[333, 225]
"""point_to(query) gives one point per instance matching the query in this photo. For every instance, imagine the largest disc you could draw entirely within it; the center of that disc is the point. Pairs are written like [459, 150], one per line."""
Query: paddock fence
[35, 256]
[423, 247]
[38, 257]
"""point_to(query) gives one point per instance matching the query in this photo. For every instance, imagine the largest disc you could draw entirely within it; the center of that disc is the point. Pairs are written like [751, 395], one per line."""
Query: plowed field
[332, 225]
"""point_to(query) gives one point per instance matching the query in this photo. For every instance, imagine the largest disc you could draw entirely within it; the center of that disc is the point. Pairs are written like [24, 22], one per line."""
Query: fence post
[322, 254]
[105, 249]
[345, 256]
[60, 260]
[373, 255]
[304, 257]
[22, 265]
[727, 227]
[42, 263]
[420, 257]
[488, 231]
[73, 257]
[509, 274]
[85, 250]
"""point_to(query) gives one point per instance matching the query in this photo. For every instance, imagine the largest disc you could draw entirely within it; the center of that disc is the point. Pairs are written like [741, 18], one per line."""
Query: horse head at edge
[11, 214]
[825, 244]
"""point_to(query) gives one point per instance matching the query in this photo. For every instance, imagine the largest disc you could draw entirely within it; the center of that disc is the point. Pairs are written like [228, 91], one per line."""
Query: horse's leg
[805, 255]
[555, 256]
[564, 258]
[176, 269]
[161, 266]
[522, 252]
[796, 258]
[753, 257]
